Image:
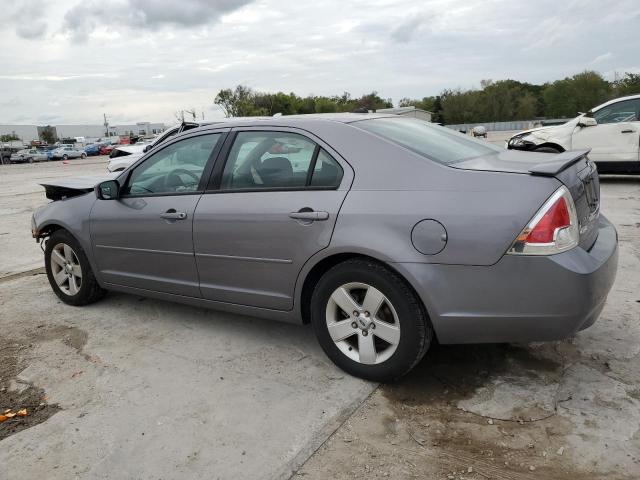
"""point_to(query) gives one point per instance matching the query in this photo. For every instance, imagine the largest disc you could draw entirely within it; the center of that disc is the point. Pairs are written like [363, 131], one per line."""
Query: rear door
[270, 206]
[144, 238]
[616, 137]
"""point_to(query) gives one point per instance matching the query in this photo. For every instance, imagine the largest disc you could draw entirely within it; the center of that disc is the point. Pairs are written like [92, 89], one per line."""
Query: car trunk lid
[572, 168]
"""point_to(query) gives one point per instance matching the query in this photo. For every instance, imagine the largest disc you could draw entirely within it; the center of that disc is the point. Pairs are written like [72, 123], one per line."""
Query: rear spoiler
[559, 163]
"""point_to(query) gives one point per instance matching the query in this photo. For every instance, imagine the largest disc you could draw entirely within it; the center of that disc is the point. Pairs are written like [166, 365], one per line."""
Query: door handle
[627, 131]
[309, 216]
[173, 215]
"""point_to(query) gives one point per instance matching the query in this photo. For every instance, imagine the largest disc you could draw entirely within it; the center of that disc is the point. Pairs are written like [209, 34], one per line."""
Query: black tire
[83, 155]
[547, 150]
[65, 157]
[416, 332]
[89, 290]
[30, 160]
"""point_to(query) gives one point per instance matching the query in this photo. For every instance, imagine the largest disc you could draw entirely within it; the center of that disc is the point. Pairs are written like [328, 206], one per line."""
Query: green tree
[9, 137]
[567, 97]
[48, 135]
[627, 85]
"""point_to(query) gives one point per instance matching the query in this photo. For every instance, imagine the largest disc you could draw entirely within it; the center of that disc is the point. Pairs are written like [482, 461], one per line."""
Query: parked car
[123, 156]
[479, 131]
[611, 131]
[65, 153]
[5, 153]
[28, 155]
[383, 232]
[92, 149]
[105, 149]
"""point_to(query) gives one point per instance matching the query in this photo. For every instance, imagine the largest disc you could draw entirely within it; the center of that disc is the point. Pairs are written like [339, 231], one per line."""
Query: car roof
[292, 120]
[615, 100]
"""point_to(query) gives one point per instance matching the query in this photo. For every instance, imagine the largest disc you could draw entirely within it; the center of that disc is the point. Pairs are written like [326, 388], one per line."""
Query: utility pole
[106, 125]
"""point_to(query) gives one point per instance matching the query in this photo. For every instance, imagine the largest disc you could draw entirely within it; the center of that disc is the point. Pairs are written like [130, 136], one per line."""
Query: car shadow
[455, 372]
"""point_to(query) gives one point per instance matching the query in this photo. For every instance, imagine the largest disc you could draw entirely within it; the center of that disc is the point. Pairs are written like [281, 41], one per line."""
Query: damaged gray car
[383, 233]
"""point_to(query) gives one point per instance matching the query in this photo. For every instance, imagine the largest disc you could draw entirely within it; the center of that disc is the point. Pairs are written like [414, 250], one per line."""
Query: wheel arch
[323, 265]
[553, 145]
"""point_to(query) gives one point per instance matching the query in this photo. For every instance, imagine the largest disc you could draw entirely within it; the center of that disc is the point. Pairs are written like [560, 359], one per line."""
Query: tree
[9, 137]
[567, 97]
[627, 85]
[239, 102]
[48, 135]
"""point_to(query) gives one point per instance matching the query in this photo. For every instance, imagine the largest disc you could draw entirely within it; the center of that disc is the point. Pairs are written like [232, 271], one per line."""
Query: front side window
[434, 142]
[626, 111]
[268, 160]
[175, 169]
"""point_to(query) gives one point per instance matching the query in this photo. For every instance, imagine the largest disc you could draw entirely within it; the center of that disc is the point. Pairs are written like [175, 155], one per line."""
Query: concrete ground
[139, 388]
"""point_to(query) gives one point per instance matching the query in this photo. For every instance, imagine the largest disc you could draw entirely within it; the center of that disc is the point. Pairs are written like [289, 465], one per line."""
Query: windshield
[437, 143]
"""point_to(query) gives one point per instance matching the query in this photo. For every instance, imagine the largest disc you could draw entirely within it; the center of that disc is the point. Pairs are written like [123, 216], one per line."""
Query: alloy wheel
[66, 269]
[363, 323]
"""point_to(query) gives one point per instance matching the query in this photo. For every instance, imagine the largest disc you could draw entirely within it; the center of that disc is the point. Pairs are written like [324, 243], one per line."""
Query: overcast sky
[141, 60]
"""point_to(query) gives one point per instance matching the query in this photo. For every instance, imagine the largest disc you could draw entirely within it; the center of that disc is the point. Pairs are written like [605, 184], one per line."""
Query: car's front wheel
[368, 320]
[69, 271]
[65, 157]
[83, 155]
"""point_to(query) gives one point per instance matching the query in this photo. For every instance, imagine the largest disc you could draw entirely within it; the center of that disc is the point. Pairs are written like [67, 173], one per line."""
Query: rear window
[437, 143]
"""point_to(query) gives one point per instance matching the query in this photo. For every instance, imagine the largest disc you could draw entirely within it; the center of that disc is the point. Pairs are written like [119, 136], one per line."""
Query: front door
[272, 206]
[144, 239]
[616, 137]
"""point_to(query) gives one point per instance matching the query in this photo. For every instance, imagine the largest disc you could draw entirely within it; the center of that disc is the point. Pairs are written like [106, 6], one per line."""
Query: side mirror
[109, 190]
[587, 122]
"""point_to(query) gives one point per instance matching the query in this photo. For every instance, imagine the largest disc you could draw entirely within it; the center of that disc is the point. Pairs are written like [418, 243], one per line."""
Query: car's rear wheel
[69, 271]
[83, 155]
[368, 320]
[30, 160]
[65, 157]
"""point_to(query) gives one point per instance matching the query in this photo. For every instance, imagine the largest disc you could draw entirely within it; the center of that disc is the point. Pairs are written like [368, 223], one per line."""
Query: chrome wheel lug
[356, 313]
[365, 333]
[354, 324]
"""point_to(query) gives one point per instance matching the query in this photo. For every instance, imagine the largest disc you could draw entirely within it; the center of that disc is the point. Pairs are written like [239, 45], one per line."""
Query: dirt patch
[427, 425]
[16, 394]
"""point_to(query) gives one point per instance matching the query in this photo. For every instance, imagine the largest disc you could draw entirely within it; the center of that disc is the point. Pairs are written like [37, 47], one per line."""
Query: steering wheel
[173, 180]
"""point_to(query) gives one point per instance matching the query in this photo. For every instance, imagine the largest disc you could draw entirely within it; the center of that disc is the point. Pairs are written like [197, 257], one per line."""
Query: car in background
[479, 131]
[611, 131]
[6, 151]
[67, 152]
[92, 149]
[28, 155]
[105, 149]
[124, 155]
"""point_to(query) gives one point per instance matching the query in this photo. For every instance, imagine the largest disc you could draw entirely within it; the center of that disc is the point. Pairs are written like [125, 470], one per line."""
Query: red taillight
[556, 217]
[553, 229]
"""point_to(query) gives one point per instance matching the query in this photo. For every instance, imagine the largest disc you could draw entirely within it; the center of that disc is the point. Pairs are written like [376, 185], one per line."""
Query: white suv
[610, 130]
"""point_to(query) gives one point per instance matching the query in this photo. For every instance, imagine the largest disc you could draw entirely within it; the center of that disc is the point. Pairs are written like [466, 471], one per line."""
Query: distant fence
[503, 126]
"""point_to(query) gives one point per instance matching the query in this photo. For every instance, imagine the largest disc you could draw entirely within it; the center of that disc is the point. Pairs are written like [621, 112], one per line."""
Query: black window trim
[215, 181]
[206, 172]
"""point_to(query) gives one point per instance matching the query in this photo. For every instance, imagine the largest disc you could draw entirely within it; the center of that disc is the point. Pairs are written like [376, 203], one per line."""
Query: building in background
[29, 133]
[407, 112]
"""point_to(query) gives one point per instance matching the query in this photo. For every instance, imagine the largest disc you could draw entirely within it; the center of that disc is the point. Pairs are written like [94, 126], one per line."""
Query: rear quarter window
[434, 142]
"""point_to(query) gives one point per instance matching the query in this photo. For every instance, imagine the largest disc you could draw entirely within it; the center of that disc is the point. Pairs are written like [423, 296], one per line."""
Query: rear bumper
[520, 298]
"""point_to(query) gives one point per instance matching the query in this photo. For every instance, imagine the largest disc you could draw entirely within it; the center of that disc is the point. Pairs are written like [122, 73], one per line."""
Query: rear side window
[278, 160]
[437, 143]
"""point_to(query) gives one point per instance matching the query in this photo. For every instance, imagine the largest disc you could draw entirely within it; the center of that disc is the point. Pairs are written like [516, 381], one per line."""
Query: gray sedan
[28, 155]
[383, 233]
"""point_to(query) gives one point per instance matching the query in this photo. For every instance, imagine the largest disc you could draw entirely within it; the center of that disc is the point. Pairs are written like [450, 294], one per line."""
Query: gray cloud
[404, 32]
[82, 19]
[29, 19]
